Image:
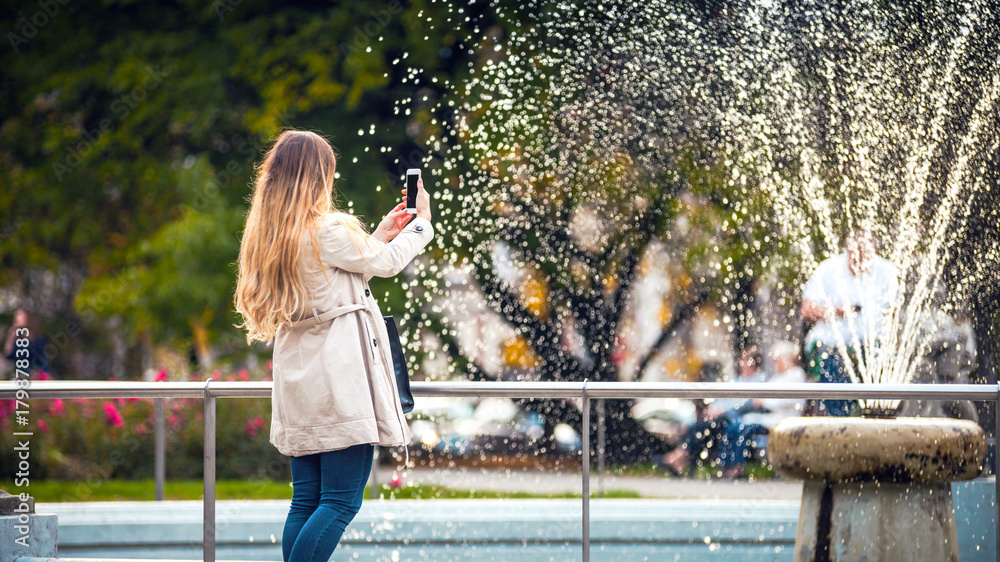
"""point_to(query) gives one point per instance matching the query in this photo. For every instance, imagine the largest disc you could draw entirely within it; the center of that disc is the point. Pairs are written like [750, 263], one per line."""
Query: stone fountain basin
[901, 450]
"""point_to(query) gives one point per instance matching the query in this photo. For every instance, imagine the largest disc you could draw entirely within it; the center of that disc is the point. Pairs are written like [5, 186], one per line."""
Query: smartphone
[412, 177]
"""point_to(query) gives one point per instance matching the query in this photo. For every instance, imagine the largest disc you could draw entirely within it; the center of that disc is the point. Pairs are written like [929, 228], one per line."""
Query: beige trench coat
[333, 378]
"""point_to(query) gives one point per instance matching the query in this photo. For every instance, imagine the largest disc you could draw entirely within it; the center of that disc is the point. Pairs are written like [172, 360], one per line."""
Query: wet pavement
[566, 481]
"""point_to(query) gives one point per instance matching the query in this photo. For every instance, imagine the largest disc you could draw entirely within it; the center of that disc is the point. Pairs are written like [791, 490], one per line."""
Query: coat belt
[320, 317]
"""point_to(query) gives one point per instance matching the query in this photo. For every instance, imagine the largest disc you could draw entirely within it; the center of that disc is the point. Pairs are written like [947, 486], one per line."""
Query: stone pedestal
[24, 532]
[40, 539]
[877, 489]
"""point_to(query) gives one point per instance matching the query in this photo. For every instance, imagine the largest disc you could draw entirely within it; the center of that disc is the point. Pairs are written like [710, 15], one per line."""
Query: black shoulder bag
[399, 366]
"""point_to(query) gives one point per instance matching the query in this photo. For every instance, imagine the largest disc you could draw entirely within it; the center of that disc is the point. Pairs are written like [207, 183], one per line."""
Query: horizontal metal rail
[587, 391]
[506, 389]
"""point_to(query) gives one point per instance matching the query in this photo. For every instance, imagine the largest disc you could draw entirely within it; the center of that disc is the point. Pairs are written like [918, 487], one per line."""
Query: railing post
[585, 433]
[208, 541]
[600, 447]
[159, 451]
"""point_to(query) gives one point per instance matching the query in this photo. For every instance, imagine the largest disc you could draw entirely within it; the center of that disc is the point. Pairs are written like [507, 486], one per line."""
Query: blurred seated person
[711, 371]
[846, 299]
[767, 412]
[26, 326]
[948, 356]
[718, 417]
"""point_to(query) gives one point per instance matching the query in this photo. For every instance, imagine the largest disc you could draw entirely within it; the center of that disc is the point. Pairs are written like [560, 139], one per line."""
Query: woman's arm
[361, 253]
[392, 224]
[814, 312]
[388, 250]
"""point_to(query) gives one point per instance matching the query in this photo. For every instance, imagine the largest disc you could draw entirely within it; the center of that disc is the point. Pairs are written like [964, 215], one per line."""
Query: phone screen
[411, 191]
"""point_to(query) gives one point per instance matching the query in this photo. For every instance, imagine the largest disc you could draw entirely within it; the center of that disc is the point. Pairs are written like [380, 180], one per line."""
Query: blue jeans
[739, 437]
[703, 438]
[828, 365]
[327, 489]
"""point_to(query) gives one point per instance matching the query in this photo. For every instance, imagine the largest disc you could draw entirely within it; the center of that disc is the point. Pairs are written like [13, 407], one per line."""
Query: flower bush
[94, 439]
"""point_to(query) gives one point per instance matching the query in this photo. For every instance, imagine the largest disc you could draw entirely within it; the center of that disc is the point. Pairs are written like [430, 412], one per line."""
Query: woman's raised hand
[392, 224]
[423, 200]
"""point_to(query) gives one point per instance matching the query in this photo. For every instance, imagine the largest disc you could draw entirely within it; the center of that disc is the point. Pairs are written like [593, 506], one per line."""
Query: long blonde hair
[293, 188]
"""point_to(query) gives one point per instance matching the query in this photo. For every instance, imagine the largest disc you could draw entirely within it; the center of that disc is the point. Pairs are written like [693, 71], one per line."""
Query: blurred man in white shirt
[847, 298]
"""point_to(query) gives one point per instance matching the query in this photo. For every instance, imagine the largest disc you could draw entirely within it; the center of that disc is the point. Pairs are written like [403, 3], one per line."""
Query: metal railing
[587, 391]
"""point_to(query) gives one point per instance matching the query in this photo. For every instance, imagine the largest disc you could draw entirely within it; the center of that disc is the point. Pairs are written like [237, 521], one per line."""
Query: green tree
[575, 169]
[130, 132]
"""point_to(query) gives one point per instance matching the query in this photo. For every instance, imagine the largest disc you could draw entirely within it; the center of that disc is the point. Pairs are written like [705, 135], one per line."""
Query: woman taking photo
[303, 278]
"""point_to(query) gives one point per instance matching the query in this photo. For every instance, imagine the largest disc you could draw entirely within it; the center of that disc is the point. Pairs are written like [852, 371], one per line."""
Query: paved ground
[553, 482]
[527, 530]
[696, 521]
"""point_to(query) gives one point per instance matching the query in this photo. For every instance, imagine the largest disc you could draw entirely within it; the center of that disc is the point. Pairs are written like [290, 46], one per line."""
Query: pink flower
[254, 425]
[43, 376]
[396, 481]
[173, 419]
[83, 406]
[161, 376]
[111, 415]
[243, 375]
[56, 408]
[42, 426]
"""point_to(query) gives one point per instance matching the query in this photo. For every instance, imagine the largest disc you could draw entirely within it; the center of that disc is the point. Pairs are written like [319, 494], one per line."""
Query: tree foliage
[130, 132]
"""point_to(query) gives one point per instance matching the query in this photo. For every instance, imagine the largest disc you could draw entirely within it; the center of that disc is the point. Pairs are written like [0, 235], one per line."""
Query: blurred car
[490, 428]
[667, 417]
